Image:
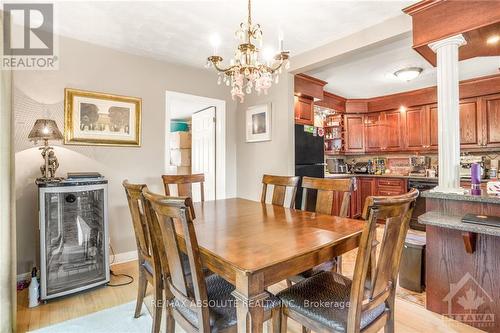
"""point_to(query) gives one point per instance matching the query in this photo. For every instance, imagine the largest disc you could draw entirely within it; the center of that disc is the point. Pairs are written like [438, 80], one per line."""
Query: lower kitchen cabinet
[354, 203]
[366, 189]
[369, 186]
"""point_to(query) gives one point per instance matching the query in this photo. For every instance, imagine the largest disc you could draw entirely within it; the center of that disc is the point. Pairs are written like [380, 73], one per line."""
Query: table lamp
[46, 129]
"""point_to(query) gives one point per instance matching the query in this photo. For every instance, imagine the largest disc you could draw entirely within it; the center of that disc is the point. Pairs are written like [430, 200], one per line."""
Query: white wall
[271, 157]
[90, 67]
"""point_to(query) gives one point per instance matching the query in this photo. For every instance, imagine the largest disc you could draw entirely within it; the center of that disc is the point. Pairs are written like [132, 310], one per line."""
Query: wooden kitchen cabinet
[392, 137]
[470, 124]
[354, 210]
[491, 118]
[304, 110]
[355, 133]
[391, 186]
[374, 126]
[471, 129]
[366, 188]
[416, 129]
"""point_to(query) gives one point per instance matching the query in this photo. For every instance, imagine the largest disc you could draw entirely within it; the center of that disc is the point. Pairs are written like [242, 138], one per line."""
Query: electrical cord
[118, 275]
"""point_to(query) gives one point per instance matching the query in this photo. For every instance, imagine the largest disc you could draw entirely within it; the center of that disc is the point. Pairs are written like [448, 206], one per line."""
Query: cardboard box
[180, 140]
[180, 157]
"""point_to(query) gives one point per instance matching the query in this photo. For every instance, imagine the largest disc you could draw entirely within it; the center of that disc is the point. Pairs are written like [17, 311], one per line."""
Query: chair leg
[276, 321]
[288, 283]
[284, 318]
[170, 321]
[338, 264]
[141, 292]
[305, 330]
[389, 325]
[158, 310]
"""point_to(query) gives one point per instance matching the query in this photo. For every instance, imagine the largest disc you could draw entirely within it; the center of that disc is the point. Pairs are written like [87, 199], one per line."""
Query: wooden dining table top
[251, 236]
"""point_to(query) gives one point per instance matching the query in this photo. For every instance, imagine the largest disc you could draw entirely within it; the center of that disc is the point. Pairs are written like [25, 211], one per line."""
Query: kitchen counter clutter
[387, 175]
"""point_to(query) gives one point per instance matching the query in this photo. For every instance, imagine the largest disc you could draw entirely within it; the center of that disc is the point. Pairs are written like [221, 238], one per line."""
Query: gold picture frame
[101, 119]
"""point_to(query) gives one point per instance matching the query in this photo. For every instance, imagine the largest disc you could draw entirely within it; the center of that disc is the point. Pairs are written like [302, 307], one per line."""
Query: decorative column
[448, 113]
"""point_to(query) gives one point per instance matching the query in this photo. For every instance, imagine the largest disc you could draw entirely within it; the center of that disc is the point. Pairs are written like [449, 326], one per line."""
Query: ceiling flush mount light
[492, 40]
[250, 68]
[408, 74]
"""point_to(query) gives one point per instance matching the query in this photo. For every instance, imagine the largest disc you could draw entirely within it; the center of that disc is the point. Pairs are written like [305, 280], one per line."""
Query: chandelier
[249, 68]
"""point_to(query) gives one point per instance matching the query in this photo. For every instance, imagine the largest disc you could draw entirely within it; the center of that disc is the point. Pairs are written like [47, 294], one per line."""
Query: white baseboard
[123, 257]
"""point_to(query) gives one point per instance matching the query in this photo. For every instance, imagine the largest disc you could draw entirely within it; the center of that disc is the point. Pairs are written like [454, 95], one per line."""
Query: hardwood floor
[77, 305]
[410, 318]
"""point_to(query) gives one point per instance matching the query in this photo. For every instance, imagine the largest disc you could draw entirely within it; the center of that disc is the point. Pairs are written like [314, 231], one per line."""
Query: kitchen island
[463, 259]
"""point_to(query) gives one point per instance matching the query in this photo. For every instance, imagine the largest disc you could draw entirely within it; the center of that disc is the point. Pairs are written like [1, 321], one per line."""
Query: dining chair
[358, 305]
[280, 186]
[198, 303]
[326, 189]
[184, 184]
[149, 264]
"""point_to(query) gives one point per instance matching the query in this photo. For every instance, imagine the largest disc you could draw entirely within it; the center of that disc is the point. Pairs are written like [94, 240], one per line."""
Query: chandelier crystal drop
[249, 69]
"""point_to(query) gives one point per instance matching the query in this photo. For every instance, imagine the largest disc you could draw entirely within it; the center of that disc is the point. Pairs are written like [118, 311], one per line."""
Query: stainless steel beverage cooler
[73, 236]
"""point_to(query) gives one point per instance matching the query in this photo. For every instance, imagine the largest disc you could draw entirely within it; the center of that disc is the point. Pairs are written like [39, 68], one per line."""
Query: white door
[203, 150]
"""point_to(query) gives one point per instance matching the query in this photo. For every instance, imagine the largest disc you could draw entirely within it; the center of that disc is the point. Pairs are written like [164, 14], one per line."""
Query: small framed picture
[258, 123]
[93, 118]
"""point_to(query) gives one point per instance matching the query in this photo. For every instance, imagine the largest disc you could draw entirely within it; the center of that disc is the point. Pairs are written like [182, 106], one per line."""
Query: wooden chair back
[326, 190]
[184, 184]
[136, 205]
[173, 216]
[396, 211]
[280, 183]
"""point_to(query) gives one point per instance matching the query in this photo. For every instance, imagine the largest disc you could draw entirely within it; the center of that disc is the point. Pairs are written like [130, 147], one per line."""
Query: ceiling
[182, 106]
[369, 73]
[179, 31]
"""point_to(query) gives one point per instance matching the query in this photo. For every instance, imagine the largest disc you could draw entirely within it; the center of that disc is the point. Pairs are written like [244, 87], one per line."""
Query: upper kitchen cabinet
[304, 110]
[415, 129]
[471, 129]
[307, 90]
[470, 124]
[355, 133]
[491, 116]
[392, 136]
[374, 128]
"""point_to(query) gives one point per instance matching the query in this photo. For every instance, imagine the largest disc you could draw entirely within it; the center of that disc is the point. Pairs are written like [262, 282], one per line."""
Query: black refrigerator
[309, 161]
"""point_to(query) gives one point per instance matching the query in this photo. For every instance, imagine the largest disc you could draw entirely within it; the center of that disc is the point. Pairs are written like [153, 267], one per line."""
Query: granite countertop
[482, 198]
[444, 220]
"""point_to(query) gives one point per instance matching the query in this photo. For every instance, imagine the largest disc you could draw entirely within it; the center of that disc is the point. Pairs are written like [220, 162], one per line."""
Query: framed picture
[93, 118]
[258, 123]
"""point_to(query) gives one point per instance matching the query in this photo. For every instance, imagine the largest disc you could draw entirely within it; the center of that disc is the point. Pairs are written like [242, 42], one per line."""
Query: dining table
[254, 245]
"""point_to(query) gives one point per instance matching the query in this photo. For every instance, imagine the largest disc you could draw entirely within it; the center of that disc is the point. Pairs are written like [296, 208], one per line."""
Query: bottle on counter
[33, 290]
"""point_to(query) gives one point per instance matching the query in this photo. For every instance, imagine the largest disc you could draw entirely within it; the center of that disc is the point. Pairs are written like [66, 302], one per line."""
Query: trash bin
[412, 269]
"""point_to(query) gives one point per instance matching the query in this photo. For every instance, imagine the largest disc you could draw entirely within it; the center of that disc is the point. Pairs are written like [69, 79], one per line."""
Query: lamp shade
[45, 129]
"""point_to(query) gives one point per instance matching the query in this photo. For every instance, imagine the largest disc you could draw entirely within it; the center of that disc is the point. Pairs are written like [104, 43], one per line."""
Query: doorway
[195, 141]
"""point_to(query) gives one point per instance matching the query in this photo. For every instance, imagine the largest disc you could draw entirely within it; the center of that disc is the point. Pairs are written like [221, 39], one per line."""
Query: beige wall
[272, 157]
[90, 67]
